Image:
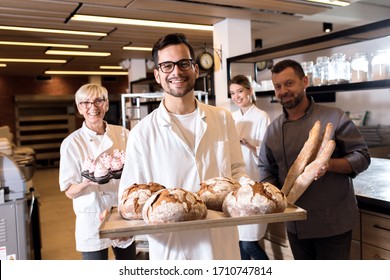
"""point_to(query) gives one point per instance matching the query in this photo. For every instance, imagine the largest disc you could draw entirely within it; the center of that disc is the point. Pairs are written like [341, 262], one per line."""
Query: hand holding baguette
[304, 171]
[310, 173]
[307, 153]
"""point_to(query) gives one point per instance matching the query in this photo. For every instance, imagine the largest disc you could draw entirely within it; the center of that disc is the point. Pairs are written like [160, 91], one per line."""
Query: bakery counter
[372, 187]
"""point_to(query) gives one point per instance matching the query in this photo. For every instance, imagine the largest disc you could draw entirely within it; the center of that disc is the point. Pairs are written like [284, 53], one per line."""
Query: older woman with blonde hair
[95, 139]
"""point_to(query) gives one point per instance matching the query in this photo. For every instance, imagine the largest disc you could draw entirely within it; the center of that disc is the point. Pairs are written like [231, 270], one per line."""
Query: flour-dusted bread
[134, 198]
[259, 198]
[213, 191]
[173, 205]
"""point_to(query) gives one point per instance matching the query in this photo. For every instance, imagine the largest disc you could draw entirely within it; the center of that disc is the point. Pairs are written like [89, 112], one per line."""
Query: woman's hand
[245, 142]
[75, 190]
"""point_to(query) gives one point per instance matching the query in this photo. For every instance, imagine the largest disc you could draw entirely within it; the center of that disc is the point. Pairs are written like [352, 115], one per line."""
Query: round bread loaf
[134, 198]
[259, 198]
[173, 205]
[213, 191]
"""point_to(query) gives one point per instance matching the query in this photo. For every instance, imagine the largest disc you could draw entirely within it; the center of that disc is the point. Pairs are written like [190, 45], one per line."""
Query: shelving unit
[351, 36]
[42, 123]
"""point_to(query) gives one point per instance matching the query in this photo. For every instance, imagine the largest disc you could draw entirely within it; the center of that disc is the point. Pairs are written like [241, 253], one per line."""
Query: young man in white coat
[180, 144]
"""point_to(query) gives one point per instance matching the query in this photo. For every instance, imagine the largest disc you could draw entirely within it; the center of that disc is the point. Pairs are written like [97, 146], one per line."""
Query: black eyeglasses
[168, 66]
[99, 102]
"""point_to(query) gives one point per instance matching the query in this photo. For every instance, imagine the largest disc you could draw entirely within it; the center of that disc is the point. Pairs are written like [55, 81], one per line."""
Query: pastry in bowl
[173, 205]
[213, 191]
[134, 198]
[259, 198]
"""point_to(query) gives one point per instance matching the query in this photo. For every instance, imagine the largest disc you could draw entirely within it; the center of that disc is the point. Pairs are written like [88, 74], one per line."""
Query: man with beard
[330, 200]
[180, 144]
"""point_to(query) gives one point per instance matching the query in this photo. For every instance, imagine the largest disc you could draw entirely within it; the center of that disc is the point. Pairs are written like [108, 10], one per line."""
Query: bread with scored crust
[134, 198]
[173, 205]
[259, 198]
[214, 191]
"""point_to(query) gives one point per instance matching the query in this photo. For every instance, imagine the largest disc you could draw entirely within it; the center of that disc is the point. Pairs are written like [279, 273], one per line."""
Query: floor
[56, 216]
[57, 219]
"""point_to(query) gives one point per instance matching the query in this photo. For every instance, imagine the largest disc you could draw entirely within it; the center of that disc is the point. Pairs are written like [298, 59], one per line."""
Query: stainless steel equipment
[18, 213]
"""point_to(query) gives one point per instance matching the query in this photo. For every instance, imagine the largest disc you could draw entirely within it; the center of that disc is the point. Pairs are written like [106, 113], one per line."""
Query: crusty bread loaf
[305, 156]
[213, 191]
[134, 198]
[308, 176]
[259, 198]
[173, 205]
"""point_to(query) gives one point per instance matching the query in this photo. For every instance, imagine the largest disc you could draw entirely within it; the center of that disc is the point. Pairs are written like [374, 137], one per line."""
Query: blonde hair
[90, 91]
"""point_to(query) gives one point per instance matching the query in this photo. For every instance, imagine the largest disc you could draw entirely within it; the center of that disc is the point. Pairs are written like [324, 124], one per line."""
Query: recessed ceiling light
[77, 53]
[128, 48]
[36, 44]
[142, 22]
[331, 2]
[98, 73]
[3, 65]
[32, 60]
[47, 30]
[113, 67]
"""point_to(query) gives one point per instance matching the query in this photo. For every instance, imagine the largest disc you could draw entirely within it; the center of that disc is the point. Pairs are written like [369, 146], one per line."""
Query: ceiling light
[47, 30]
[327, 27]
[32, 60]
[142, 22]
[61, 52]
[3, 65]
[33, 44]
[128, 48]
[111, 67]
[331, 2]
[98, 73]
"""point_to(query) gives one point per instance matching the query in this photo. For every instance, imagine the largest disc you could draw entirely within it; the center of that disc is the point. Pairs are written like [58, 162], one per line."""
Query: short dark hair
[282, 65]
[171, 39]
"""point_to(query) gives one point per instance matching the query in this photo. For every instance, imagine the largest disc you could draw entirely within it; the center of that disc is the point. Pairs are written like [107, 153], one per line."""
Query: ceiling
[276, 22]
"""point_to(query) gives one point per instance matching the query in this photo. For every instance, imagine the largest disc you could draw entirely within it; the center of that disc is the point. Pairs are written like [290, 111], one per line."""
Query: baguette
[325, 138]
[308, 176]
[307, 153]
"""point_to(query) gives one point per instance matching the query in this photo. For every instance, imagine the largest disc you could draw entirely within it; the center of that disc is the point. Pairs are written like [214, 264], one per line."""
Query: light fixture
[327, 27]
[150, 23]
[109, 67]
[35, 44]
[3, 65]
[331, 2]
[32, 60]
[128, 48]
[77, 53]
[97, 73]
[48, 30]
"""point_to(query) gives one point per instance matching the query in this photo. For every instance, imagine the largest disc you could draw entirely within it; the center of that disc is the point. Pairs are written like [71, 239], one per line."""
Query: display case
[363, 39]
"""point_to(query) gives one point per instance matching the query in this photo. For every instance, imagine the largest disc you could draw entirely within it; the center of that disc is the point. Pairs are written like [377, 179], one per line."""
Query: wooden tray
[114, 226]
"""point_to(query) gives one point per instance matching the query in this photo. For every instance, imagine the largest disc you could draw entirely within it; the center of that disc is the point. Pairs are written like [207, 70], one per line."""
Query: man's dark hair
[171, 39]
[282, 65]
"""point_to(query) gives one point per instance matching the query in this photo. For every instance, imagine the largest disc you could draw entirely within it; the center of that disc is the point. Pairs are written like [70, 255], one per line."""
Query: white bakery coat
[157, 152]
[252, 126]
[75, 148]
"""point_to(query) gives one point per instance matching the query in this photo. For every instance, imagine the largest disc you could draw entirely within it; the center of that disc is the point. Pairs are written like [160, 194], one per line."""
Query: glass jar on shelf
[339, 69]
[308, 67]
[359, 68]
[320, 71]
[380, 65]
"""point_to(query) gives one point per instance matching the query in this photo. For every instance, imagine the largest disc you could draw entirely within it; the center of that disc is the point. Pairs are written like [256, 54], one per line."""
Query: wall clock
[206, 60]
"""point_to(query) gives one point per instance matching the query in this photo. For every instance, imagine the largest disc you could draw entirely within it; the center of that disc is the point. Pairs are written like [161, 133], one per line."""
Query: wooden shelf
[42, 123]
